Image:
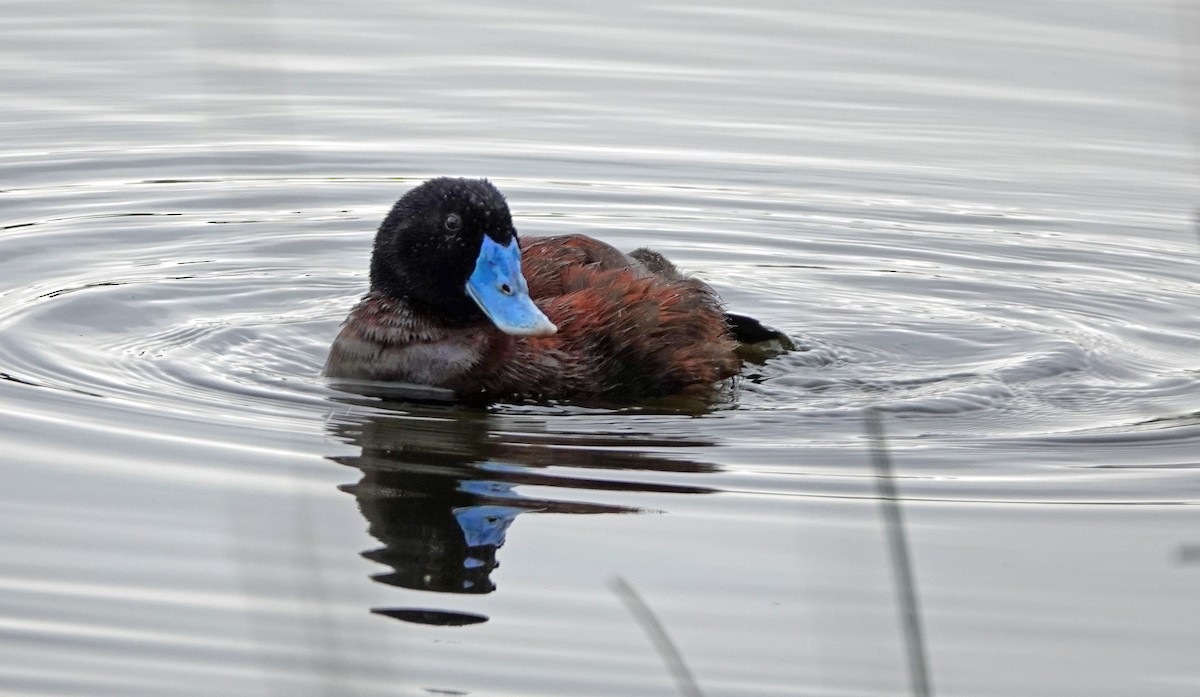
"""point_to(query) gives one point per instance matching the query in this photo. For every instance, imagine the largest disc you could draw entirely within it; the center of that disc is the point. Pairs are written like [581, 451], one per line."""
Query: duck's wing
[635, 334]
[545, 259]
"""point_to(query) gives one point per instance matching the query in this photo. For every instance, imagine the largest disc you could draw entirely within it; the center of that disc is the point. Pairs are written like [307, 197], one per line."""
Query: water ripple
[932, 315]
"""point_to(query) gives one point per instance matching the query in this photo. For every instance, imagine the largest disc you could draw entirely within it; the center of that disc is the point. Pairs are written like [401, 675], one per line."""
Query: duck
[459, 301]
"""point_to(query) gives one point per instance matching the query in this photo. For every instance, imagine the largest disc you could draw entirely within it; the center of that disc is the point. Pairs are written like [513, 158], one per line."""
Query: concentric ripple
[215, 299]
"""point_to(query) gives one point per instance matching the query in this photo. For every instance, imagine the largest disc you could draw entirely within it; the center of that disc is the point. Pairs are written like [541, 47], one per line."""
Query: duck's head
[449, 247]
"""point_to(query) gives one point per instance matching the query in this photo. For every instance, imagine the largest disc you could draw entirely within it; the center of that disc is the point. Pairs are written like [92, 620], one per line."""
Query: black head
[427, 246]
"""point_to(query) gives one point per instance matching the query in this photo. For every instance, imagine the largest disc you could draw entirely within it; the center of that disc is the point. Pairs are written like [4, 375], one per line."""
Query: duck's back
[629, 326]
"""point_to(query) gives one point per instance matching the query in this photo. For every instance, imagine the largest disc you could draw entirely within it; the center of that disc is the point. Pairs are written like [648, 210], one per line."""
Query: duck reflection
[440, 489]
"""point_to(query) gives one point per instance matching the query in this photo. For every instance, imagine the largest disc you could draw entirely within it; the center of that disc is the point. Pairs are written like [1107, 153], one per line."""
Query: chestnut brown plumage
[628, 326]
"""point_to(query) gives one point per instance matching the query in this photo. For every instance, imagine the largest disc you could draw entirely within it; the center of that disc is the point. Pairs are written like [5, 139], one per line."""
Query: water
[973, 218]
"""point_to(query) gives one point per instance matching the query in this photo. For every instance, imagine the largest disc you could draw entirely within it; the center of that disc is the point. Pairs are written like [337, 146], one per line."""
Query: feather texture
[629, 327]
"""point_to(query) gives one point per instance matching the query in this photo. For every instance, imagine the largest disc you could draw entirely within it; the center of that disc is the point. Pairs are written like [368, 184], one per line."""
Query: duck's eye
[506, 289]
[453, 222]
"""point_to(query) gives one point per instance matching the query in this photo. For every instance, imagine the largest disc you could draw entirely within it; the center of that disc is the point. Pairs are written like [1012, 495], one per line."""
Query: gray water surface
[973, 217]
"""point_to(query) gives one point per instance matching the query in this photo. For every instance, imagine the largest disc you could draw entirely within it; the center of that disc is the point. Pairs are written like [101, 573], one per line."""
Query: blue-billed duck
[458, 301]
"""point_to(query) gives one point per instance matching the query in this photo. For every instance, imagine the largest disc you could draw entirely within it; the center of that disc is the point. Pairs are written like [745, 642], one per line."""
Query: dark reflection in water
[440, 491]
